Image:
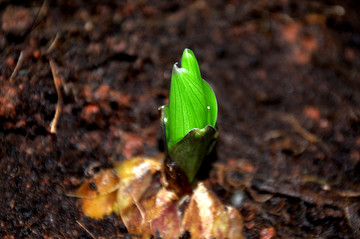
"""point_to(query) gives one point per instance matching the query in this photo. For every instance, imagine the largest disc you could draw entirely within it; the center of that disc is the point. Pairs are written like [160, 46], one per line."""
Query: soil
[286, 76]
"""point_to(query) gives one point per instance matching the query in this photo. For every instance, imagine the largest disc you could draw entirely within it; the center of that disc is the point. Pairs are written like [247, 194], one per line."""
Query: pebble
[267, 233]
[237, 199]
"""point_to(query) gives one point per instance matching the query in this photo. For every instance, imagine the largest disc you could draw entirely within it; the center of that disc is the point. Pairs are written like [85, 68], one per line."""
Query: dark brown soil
[286, 76]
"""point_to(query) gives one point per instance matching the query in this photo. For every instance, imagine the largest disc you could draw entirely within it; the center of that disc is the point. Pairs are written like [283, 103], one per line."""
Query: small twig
[300, 130]
[53, 43]
[311, 138]
[60, 102]
[42, 13]
[4, 226]
[86, 229]
[17, 67]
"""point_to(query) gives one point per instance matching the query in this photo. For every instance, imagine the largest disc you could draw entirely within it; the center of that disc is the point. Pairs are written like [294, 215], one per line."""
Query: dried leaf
[157, 214]
[100, 206]
[134, 190]
[116, 189]
[207, 217]
[98, 194]
[102, 183]
[136, 176]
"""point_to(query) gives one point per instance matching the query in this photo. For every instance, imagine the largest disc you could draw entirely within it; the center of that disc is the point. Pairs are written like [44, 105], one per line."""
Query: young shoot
[192, 102]
[190, 119]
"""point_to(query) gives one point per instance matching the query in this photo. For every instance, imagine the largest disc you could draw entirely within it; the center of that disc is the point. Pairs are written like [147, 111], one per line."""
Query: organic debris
[135, 190]
[59, 106]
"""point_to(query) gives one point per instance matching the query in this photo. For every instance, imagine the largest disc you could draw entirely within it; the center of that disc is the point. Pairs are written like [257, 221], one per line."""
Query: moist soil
[286, 76]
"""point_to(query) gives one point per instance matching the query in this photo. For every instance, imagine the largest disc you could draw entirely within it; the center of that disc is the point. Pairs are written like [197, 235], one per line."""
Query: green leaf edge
[189, 161]
[182, 78]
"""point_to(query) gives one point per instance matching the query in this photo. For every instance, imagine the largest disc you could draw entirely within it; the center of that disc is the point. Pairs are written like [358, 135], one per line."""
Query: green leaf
[192, 102]
[190, 151]
[211, 107]
[189, 62]
[189, 122]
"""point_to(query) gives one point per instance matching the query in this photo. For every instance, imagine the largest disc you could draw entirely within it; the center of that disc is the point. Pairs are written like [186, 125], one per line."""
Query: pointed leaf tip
[175, 69]
[189, 62]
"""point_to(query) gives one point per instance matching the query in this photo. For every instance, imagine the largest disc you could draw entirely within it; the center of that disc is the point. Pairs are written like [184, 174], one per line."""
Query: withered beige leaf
[100, 206]
[207, 217]
[126, 182]
[98, 194]
[134, 190]
[157, 213]
[104, 182]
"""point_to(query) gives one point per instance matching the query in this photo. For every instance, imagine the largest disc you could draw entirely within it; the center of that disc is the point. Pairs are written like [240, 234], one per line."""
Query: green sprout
[189, 121]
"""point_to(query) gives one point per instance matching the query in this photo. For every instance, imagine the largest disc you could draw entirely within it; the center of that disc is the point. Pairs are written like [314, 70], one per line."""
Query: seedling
[189, 122]
[150, 204]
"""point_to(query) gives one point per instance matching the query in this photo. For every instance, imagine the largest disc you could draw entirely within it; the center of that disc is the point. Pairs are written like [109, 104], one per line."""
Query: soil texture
[286, 77]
